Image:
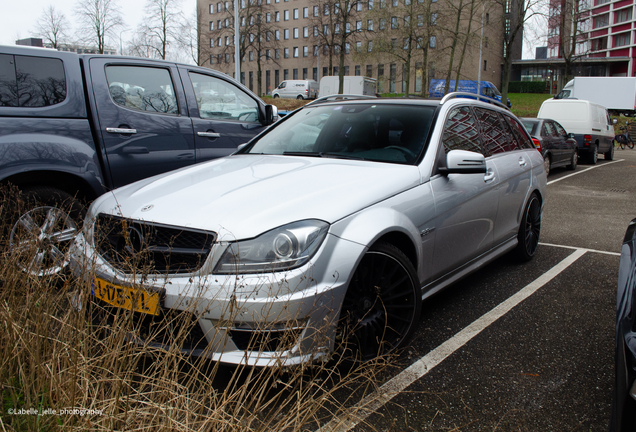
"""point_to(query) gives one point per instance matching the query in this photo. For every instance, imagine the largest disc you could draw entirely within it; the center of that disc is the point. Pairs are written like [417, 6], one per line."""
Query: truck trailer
[617, 94]
[357, 85]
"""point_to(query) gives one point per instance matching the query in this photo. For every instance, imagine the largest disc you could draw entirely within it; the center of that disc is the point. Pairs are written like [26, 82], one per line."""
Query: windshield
[383, 133]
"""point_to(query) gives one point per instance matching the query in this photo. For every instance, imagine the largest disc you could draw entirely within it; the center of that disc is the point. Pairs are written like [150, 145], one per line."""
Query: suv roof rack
[472, 96]
[340, 97]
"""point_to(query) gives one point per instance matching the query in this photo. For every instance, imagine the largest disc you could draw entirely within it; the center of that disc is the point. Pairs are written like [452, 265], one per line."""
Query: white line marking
[417, 370]
[586, 169]
[579, 248]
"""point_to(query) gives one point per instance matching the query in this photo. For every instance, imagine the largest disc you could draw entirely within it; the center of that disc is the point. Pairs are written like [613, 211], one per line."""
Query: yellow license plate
[134, 299]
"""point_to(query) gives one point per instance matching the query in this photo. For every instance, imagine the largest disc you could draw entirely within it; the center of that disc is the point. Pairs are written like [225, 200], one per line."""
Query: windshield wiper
[323, 154]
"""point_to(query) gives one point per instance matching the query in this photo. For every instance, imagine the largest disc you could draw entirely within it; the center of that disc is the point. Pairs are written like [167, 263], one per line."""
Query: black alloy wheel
[530, 229]
[381, 307]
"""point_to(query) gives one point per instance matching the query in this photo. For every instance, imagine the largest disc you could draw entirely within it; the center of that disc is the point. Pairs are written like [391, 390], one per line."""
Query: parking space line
[417, 370]
[579, 248]
[586, 169]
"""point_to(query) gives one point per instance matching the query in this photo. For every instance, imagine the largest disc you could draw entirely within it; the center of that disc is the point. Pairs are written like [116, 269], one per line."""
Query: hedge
[527, 87]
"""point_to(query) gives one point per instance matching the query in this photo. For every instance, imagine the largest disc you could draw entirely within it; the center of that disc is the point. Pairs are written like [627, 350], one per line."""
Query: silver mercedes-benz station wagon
[325, 232]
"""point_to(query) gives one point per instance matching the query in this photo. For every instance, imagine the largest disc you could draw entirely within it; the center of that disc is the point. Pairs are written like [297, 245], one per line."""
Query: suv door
[466, 204]
[223, 115]
[142, 118]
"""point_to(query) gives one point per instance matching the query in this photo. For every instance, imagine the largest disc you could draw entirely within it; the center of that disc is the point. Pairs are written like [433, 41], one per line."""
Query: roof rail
[340, 97]
[472, 96]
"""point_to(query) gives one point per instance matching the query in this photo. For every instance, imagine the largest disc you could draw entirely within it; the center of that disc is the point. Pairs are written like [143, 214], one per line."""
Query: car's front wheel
[530, 229]
[381, 306]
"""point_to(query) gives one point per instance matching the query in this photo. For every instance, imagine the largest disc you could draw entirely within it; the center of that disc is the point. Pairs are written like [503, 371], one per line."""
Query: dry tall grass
[61, 370]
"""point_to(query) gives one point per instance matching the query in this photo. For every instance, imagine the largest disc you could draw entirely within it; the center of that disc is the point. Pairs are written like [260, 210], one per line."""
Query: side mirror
[271, 114]
[464, 162]
[571, 135]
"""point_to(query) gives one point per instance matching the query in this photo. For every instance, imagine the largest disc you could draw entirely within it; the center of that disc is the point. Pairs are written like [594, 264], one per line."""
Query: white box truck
[617, 94]
[352, 85]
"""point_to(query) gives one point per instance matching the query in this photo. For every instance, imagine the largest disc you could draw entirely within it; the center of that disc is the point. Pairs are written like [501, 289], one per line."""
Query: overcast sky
[19, 17]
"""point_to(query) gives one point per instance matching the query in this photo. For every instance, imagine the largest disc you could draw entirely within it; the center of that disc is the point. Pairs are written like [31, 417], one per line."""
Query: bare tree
[190, 39]
[52, 26]
[324, 25]
[345, 17]
[98, 20]
[160, 29]
[467, 36]
[571, 27]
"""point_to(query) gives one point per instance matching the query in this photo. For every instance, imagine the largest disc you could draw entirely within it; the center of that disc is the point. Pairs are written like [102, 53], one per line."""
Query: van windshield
[382, 133]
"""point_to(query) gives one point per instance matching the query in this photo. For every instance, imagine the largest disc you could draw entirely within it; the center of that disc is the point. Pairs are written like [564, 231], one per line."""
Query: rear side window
[496, 138]
[559, 130]
[548, 130]
[31, 81]
[461, 132]
[519, 133]
[142, 88]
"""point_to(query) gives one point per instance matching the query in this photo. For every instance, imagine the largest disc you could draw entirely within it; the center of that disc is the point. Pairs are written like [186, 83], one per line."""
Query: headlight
[283, 248]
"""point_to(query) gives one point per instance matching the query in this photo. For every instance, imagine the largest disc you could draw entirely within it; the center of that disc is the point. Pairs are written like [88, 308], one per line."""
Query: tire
[630, 144]
[574, 161]
[592, 157]
[299, 97]
[44, 227]
[547, 164]
[530, 229]
[381, 306]
[275, 96]
[609, 155]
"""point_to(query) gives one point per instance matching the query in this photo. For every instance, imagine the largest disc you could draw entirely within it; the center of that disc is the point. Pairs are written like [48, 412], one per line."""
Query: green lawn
[527, 104]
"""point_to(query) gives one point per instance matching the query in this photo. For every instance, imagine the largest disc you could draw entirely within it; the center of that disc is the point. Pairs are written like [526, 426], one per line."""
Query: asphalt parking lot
[522, 347]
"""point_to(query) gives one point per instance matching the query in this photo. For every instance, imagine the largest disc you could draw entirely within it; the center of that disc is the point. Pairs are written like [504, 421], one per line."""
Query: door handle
[135, 150]
[209, 134]
[121, 130]
[522, 162]
[490, 175]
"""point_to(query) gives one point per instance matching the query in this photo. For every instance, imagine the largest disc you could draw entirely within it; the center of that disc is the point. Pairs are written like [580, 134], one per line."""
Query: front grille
[135, 246]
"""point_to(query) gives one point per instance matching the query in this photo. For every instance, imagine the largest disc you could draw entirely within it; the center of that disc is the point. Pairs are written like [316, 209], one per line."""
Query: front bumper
[282, 318]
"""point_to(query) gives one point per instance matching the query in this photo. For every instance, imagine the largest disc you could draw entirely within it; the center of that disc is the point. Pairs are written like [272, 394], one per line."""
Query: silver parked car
[324, 232]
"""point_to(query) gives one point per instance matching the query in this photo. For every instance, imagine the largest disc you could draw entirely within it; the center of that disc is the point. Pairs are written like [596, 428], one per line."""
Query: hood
[246, 195]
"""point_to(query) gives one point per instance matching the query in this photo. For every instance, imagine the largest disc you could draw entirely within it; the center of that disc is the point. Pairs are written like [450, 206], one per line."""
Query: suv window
[142, 88]
[496, 138]
[31, 81]
[460, 131]
[218, 99]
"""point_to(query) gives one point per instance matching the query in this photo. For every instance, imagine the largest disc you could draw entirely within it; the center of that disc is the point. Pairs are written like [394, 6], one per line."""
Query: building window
[325, 29]
[405, 43]
[211, 9]
[305, 12]
[434, 18]
[315, 74]
[325, 71]
[268, 55]
[286, 15]
[277, 35]
[277, 16]
[394, 3]
[485, 65]
[623, 15]
[211, 43]
[296, 13]
[295, 52]
[601, 21]
[432, 42]
[315, 50]
[394, 22]
[599, 44]
[357, 70]
[370, 25]
[306, 32]
[268, 17]
[285, 74]
[295, 74]
[600, 2]
[336, 28]
[211, 25]
[315, 30]
[621, 39]
[304, 73]
[393, 43]
[420, 20]
[316, 11]
[359, 6]
[295, 32]
[219, 7]
[487, 18]
[285, 52]
[370, 46]
[358, 46]
[369, 71]
[358, 25]
[305, 51]
[286, 34]
[277, 53]
[382, 24]
[325, 9]
[347, 48]
[251, 55]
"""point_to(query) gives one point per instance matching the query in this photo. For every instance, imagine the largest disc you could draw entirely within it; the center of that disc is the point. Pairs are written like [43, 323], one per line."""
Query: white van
[296, 89]
[589, 122]
[352, 84]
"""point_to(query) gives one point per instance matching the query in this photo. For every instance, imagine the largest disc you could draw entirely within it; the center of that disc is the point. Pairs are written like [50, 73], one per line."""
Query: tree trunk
[453, 47]
[461, 58]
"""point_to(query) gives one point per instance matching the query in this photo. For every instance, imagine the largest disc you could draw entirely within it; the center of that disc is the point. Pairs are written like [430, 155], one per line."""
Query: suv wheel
[381, 307]
[300, 97]
[44, 228]
[609, 155]
[592, 158]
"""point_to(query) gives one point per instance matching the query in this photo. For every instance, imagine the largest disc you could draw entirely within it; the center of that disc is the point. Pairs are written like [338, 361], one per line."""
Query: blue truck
[436, 90]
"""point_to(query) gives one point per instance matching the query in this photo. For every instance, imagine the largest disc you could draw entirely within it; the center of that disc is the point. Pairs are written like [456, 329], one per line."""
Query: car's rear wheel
[46, 223]
[574, 161]
[547, 163]
[381, 307]
[530, 229]
[592, 157]
[609, 155]
[300, 97]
